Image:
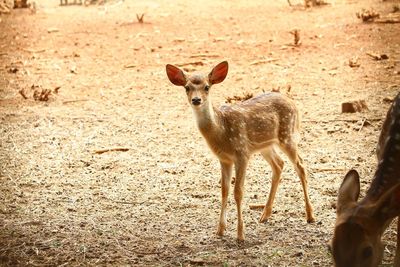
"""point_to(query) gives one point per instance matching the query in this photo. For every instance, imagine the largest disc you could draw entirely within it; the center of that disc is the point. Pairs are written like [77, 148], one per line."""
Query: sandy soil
[157, 204]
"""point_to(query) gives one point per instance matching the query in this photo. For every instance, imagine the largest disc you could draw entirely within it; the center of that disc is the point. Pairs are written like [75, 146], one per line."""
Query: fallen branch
[296, 36]
[387, 20]
[345, 120]
[204, 55]
[328, 170]
[367, 15]
[128, 66]
[388, 100]
[101, 151]
[256, 206]
[140, 18]
[41, 94]
[196, 63]
[263, 61]
[377, 56]
[4, 8]
[22, 92]
[34, 51]
[362, 124]
[76, 100]
[50, 30]
[236, 98]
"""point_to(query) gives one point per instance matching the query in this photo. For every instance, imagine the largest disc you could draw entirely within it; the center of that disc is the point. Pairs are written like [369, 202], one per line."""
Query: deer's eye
[187, 88]
[367, 252]
[207, 87]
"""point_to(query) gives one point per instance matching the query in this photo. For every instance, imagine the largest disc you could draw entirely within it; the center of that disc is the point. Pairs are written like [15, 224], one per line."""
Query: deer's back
[388, 152]
[261, 121]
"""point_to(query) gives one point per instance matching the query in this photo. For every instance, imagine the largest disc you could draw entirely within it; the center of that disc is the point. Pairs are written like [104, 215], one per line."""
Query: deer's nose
[196, 101]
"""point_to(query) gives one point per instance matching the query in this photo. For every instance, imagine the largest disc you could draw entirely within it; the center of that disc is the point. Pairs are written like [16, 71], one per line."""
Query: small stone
[354, 106]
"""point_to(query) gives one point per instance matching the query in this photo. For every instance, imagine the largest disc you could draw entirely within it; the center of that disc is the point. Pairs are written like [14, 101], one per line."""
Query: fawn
[234, 133]
[360, 224]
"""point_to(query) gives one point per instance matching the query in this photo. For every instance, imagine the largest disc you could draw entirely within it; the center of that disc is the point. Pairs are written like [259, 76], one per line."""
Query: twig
[367, 15]
[88, 32]
[21, 92]
[50, 30]
[388, 20]
[296, 36]
[196, 63]
[257, 62]
[128, 66]
[239, 98]
[140, 18]
[256, 206]
[328, 170]
[34, 51]
[362, 124]
[101, 151]
[345, 120]
[204, 55]
[76, 100]
[376, 56]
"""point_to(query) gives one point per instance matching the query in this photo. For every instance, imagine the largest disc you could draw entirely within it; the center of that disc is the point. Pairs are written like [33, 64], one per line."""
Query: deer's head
[360, 224]
[197, 85]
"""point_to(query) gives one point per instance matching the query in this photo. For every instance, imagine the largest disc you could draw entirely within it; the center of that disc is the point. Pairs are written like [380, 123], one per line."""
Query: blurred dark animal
[360, 224]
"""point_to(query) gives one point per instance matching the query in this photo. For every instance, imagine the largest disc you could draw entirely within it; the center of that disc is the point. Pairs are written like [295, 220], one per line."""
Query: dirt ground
[157, 204]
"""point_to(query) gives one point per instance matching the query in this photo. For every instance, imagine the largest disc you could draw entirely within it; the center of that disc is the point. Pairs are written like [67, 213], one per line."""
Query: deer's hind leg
[290, 149]
[276, 164]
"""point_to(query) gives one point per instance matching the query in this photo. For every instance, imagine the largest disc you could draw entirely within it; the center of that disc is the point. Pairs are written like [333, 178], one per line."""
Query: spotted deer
[234, 133]
[360, 224]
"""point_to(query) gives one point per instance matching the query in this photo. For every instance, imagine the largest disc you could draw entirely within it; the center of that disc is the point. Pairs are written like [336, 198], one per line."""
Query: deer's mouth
[196, 101]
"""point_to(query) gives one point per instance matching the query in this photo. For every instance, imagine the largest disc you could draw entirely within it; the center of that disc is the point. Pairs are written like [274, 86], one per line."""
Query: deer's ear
[218, 73]
[349, 191]
[388, 205]
[176, 75]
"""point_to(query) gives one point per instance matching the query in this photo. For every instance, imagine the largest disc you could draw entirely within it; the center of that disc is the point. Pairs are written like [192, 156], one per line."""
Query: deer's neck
[208, 121]
[212, 125]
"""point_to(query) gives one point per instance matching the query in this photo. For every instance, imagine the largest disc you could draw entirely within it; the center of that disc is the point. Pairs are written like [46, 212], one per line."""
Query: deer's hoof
[220, 230]
[311, 220]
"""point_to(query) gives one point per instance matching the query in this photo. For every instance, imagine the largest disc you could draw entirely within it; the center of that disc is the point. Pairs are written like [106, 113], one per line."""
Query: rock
[354, 106]
[388, 100]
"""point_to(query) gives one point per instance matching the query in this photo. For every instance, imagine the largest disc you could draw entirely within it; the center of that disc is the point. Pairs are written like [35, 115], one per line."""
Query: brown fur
[360, 225]
[234, 133]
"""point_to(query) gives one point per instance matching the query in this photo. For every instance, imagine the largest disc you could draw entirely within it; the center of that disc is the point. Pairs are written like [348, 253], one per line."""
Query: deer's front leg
[226, 175]
[240, 168]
